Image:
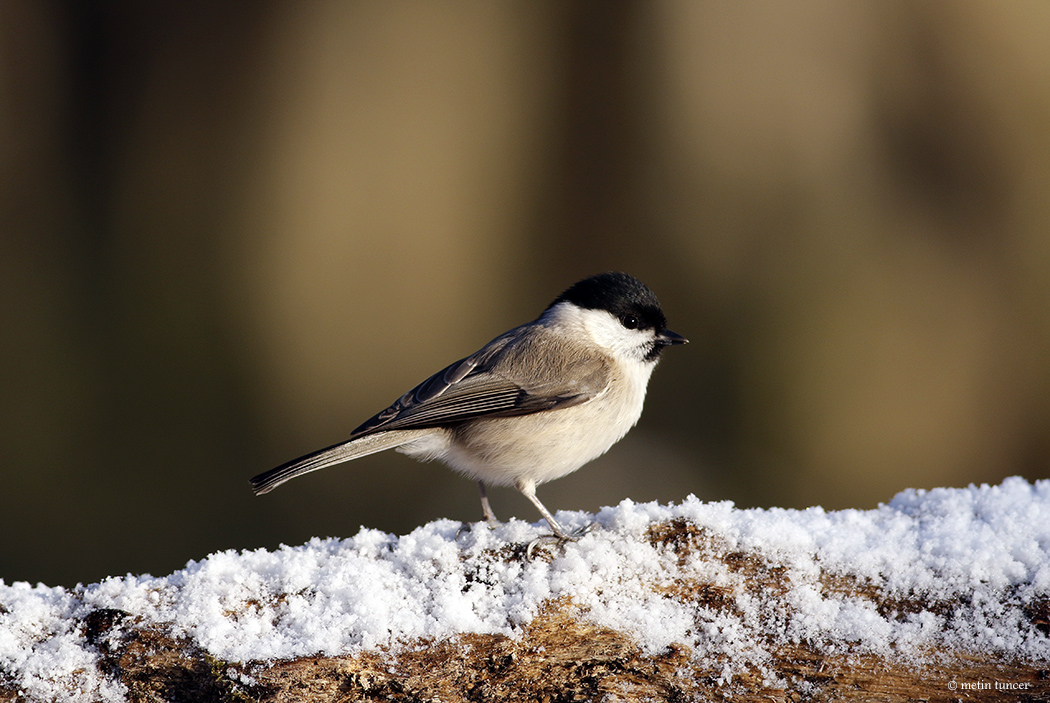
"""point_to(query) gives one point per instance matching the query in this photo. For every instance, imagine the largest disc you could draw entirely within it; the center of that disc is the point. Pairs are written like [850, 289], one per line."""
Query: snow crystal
[800, 576]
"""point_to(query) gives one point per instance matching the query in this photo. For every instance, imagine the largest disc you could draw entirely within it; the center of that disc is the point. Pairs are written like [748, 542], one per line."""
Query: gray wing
[509, 376]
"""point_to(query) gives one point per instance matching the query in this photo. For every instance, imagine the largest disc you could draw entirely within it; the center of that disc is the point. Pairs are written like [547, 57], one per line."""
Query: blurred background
[230, 232]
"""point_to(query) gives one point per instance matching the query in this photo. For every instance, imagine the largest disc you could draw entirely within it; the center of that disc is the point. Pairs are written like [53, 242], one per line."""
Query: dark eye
[630, 321]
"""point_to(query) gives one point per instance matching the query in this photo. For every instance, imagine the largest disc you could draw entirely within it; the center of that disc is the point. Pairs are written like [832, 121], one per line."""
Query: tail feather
[336, 454]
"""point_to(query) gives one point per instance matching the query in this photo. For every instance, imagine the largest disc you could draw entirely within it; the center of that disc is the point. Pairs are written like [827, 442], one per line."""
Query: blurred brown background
[229, 232]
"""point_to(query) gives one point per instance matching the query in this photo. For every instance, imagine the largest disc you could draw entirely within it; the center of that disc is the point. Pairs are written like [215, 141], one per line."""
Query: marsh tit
[532, 405]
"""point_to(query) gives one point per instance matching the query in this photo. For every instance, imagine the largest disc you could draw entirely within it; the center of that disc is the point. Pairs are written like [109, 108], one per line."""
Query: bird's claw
[559, 537]
[465, 527]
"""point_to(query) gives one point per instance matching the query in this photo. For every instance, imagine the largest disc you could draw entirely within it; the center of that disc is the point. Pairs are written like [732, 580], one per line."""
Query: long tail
[336, 454]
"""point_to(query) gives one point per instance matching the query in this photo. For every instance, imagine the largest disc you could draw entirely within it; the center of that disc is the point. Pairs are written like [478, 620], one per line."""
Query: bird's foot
[559, 537]
[465, 527]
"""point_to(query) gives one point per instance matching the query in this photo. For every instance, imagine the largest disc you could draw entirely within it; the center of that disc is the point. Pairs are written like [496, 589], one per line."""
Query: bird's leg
[528, 489]
[486, 509]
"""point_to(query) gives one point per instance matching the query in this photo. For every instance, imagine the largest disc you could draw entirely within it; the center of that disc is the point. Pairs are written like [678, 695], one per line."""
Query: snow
[981, 552]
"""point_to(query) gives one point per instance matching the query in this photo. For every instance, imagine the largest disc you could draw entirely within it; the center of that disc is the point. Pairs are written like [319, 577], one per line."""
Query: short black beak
[668, 338]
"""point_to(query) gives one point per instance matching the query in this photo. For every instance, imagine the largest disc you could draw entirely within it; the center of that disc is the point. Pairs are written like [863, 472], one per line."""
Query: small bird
[532, 405]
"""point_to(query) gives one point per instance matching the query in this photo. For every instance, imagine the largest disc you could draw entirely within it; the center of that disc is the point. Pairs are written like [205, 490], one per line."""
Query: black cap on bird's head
[625, 298]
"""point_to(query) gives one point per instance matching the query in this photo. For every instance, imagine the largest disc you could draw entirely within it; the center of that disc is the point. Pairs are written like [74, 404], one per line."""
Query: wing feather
[500, 380]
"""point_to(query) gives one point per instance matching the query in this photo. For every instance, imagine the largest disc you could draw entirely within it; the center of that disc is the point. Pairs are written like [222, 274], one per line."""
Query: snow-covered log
[938, 595]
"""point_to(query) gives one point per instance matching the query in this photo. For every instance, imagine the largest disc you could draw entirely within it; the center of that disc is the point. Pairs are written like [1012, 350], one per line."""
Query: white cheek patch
[607, 332]
[604, 331]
